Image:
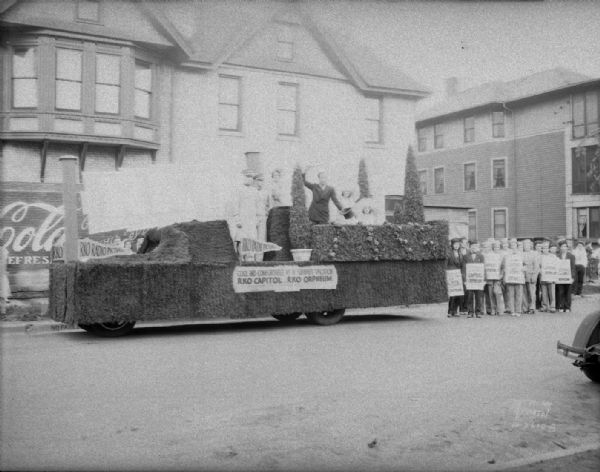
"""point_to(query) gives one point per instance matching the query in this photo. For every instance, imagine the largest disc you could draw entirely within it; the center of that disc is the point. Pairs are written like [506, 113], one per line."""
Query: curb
[548, 456]
[47, 325]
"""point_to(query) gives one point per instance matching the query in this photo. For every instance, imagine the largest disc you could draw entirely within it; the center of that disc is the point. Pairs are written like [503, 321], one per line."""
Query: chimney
[451, 86]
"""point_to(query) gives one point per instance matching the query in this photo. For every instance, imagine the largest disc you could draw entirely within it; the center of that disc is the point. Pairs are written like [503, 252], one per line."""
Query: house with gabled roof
[522, 155]
[123, 84]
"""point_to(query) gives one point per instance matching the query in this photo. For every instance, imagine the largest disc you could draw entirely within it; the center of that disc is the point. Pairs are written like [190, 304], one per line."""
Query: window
[587, 222]
[422, 140]
[373, 131]
[285, 43]
[469, 133]
[88, 10]
[499, 222]
[586, 169]
[470, 173]
[24, 78]
[287, 109]
[143, 89]
[472, 214]
[438, 137]
[68, 79]
[391, 203]
[499, 173]
[423, 181]
[108, 83]
[498, 124]
[438, 180]
[229, 103]
[585, 114]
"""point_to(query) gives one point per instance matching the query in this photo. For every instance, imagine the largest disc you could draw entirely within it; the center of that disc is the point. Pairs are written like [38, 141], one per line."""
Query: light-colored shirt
[580, 256]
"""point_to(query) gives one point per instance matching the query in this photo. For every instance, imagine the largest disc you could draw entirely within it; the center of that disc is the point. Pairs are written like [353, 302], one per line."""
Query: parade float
[191, 271]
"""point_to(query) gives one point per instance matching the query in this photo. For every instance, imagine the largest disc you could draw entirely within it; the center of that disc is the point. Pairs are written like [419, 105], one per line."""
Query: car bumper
[569, 351]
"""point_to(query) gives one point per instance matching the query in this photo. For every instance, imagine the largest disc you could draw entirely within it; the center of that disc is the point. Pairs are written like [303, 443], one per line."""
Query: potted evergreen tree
[300, 225]
[411, 209]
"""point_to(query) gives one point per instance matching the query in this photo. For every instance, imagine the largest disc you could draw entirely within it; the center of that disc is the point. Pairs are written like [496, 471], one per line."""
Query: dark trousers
[463, 300]
[454, 304]
[563, 296]
[579, 275]
[538, 292]
[475, 302]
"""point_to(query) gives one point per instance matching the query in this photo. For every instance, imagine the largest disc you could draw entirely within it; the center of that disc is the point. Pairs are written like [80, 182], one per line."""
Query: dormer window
[285, 43]
[88, 10]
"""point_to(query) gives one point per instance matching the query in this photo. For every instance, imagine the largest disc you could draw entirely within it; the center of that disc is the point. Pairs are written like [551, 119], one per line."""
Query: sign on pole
[454, 283]
[475, 276]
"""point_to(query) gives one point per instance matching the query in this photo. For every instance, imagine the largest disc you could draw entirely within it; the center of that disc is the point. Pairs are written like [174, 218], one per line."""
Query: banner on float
[513, 269]
[475, 276]
[549, 269]
[284, 278]
[455, 283]
[563, 275]
[492, 263]
[90, 249]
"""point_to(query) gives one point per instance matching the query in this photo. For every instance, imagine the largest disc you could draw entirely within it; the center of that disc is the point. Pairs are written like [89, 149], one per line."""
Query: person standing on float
[245, 210]
[262, 208]
[318, 212]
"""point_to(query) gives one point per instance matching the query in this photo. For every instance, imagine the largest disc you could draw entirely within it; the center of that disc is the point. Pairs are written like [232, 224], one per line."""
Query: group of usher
[536, 292]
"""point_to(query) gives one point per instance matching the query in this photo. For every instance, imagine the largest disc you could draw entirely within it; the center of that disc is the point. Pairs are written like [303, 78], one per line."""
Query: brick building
[521, 155]
[129, 83]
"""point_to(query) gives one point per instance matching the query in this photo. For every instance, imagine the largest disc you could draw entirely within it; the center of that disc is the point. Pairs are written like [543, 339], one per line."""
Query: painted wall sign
[31, 221]
[284, 278]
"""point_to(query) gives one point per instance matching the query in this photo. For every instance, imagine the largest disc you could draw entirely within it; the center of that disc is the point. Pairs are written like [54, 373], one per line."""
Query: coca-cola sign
[30, 223]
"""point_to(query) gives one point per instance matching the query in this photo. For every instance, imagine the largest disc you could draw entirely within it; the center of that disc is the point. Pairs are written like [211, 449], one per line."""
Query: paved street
[403, 389]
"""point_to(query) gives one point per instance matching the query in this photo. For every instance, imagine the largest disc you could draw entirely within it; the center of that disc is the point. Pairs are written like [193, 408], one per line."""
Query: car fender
[586, 329]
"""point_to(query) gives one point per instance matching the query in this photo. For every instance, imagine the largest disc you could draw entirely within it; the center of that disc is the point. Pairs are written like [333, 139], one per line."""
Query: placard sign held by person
[475, 279]
[514, 270]
[454, 283]
[549, 270]
[563, 275]
[492, 266]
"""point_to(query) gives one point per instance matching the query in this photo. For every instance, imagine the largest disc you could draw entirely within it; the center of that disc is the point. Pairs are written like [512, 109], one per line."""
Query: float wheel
[288, 317]
[326, 318]
[109, 330]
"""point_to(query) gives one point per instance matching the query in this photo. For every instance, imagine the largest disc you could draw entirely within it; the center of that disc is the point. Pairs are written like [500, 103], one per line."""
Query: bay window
[68, 79]
[103, 91]
[108, 83]
[143, 89]
[24, 78]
